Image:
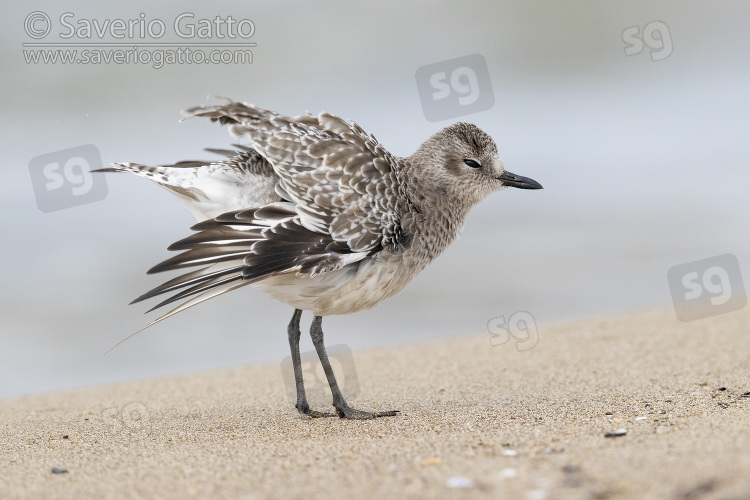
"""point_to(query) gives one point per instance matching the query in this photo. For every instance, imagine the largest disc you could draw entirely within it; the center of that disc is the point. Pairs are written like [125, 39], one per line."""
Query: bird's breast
[351, 289]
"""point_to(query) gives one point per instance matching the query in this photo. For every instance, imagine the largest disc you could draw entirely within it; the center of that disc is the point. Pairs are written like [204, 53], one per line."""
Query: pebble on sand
[617, 433]
[460, 482]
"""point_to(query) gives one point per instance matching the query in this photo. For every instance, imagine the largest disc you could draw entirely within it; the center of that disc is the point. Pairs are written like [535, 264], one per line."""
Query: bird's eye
[473, 163]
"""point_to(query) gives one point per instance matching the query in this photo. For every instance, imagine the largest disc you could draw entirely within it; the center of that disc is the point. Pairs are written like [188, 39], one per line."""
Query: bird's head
[462, 162]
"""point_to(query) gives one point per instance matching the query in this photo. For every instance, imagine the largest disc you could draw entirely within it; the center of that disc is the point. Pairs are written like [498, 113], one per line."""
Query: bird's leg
[294, 335]
[343, 409]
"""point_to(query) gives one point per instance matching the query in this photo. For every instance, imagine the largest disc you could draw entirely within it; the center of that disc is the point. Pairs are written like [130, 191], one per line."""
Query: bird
[315, 212]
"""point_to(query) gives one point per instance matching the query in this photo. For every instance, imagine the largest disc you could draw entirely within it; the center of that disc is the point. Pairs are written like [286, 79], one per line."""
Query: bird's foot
[345, 411]
[304, 409]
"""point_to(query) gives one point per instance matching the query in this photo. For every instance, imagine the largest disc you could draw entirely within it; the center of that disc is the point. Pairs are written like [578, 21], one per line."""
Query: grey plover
[316, 213]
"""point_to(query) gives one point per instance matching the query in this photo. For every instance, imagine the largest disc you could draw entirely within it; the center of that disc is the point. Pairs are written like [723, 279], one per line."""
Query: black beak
[517, 181]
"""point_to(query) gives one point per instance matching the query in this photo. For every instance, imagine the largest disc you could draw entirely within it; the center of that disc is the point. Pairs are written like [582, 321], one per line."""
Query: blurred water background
[644, 160]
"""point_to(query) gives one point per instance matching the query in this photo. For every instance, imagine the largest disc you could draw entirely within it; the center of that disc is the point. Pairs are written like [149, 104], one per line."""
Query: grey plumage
[318, 214]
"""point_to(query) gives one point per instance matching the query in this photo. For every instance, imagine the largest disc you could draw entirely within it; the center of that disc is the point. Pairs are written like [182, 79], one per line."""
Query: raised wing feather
[210, 188]
[343, 181]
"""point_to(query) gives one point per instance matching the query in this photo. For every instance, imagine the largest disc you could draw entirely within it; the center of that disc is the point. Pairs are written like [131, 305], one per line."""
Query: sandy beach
[476, 421]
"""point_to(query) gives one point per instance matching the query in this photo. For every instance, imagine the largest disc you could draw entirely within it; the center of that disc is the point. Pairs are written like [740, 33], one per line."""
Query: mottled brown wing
[343, 181]
[345, 184]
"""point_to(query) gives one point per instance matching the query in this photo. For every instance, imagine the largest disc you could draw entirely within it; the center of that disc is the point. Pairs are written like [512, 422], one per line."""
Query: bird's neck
[442, 213]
